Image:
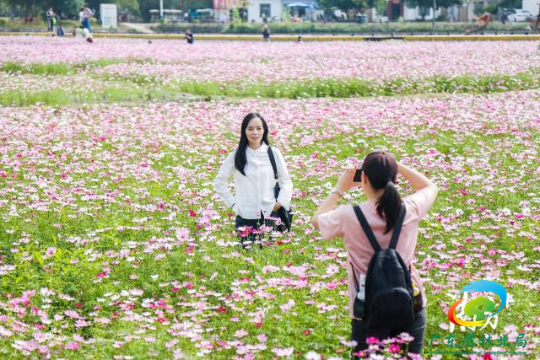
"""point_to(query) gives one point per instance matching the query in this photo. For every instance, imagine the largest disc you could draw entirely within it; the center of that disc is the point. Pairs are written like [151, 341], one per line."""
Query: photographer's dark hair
[381, 169]
[240, 159]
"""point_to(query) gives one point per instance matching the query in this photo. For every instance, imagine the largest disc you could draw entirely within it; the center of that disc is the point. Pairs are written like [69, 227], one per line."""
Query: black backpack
[389, 299]
[286, 216]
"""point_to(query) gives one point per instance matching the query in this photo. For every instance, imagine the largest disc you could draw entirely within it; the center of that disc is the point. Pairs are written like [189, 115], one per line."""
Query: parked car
[520, 16]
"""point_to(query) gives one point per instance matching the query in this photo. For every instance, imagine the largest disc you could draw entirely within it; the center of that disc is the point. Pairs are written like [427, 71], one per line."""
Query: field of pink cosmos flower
[113, 243]
[58, 71]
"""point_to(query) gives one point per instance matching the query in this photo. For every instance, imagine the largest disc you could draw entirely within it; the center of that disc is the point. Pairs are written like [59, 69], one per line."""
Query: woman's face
[255, 132]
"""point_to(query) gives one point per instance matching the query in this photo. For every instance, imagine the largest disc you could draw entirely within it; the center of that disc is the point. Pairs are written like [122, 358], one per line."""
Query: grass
[63, 68]
[344, 88]
[40, 24]
[135, 88]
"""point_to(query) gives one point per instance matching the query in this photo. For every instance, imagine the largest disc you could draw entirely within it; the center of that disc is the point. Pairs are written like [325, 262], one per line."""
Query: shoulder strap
[397, 227]
[369, 233]
[273, 161]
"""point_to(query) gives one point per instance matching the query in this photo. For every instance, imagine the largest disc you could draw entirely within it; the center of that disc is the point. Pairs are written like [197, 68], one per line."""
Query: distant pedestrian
[266, 33]
[189, 36]
[50, 21]
[55, 22]
[83, 32]
[299, 39]
[85, 15]
[81, 15]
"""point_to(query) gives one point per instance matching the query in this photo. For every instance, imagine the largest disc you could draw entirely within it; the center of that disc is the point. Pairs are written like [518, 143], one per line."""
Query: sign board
[109, 15]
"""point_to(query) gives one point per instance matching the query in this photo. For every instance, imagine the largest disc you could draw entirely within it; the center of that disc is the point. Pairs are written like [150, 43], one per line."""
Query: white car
[520, 16]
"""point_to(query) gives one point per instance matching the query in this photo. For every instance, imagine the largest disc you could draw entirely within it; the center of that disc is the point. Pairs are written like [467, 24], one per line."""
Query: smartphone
[358, 175]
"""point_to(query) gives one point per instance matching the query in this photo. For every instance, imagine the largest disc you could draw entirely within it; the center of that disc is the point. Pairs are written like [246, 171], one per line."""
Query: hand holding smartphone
[358, 175]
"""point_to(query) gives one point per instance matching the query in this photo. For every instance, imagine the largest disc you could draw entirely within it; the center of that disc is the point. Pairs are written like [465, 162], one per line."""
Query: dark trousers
[250, 228]
[360, 333]
[86, 24]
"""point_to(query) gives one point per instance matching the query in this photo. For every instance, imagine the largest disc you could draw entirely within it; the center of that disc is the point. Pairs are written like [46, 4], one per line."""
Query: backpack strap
[273, 162]
[397, 227]
[369, 233]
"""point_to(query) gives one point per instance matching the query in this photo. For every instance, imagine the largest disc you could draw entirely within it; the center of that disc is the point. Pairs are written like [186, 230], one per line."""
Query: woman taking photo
[383, 212]
[250, 165]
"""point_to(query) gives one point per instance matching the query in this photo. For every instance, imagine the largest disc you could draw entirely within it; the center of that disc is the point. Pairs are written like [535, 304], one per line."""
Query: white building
[398, 8]
[532, 5]
[261, 9]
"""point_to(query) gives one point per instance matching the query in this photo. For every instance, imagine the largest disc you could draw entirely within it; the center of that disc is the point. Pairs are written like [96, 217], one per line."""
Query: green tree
[343, 4]
[131, 6]
[379, 5]
[66, 8]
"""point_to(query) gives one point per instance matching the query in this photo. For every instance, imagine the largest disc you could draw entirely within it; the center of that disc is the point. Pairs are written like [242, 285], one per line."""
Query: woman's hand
[346, 180]
[277, 206]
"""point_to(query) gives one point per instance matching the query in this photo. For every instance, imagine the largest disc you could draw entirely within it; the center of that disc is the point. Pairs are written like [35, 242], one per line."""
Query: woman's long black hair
[240, 159]
[381, 170]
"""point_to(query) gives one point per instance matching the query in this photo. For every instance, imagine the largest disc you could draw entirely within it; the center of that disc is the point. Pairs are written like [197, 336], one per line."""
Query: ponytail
[389, 205]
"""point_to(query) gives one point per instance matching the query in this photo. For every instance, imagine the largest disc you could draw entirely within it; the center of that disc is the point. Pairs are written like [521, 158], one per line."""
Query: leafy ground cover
[337, 28]
[114, 245]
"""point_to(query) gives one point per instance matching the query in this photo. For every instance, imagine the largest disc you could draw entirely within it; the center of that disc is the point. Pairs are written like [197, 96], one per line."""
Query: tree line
[70, 8]
[141, 8]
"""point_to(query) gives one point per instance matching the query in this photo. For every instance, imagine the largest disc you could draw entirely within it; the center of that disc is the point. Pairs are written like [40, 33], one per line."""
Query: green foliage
[379, 5]
[37, 68]
[334, 28]
[343, 4]
[491, 8]
[132, 6]
[286, 15]
[236, 19]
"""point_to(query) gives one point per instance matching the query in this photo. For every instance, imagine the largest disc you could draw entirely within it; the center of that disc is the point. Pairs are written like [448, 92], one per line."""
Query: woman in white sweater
[254, 179]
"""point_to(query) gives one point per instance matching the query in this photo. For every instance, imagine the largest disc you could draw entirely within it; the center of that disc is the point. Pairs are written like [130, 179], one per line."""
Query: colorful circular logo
[480, 305]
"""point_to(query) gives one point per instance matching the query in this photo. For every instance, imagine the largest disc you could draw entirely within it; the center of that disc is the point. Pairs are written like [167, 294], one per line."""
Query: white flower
[283, 352]
[312, 355]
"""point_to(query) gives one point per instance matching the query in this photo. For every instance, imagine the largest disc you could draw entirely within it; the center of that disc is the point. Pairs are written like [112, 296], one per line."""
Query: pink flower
[406, 337]
[72, 345]
[72, 314]
[240, 333]
[331, 285]
[283, 352]
[372, 340]
[50, 251]
[394, 349]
